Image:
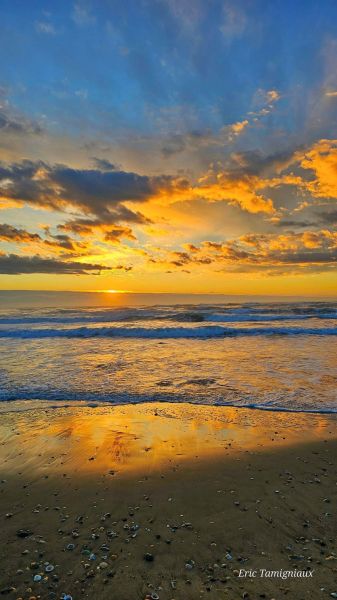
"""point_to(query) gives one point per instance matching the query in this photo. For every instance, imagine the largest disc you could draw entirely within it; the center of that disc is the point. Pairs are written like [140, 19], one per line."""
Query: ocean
[278, 354]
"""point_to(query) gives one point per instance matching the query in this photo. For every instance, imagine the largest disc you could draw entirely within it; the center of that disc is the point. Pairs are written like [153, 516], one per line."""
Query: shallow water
[271, 355]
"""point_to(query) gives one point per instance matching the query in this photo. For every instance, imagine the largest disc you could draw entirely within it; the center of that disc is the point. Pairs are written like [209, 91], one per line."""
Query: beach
[175, 501]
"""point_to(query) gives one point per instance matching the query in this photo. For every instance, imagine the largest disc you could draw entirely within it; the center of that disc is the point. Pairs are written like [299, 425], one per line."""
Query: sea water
[270, 354]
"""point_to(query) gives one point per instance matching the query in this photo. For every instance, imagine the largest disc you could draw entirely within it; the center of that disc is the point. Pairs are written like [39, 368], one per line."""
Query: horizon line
[129, 292]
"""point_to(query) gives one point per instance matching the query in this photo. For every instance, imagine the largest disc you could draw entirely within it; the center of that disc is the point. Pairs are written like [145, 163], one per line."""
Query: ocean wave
[164, 332]
[257, 318]
[189, 317]
[73, 319]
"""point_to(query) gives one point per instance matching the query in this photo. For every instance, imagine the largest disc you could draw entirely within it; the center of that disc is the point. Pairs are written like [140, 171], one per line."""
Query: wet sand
[165, 500]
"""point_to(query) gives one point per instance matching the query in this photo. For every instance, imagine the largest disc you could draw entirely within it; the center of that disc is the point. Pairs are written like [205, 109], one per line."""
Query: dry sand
[203, 491]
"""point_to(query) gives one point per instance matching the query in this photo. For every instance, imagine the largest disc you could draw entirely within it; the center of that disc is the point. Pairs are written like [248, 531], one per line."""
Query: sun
[114, 291]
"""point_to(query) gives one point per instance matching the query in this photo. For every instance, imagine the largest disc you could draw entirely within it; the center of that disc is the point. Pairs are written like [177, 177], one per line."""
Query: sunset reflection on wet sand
[146, 437]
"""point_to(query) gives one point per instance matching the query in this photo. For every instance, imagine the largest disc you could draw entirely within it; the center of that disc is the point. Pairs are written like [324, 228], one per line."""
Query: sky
[182, 146]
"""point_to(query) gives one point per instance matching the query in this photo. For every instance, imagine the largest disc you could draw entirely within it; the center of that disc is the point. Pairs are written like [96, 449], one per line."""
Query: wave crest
[212, 331]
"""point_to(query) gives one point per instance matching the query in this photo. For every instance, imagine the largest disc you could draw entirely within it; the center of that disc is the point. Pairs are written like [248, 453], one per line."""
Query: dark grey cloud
[103, 164]
[108, 222]
[97, 190]
[17, 124]
[316, 219]
[256, 163]
[94, 191]
[8, 233]
[279, 270]
[54, 243]
[66, 243]
[194, 140]
[173, 145]
[18, 181]
[323, 256]
[295, 224]
[13, 264]
[328, 218]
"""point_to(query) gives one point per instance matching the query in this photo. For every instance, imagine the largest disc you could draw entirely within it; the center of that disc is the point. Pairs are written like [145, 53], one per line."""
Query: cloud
[272, 96]
[252, 180]
[218, 184]
[15, 124]
[254, 162]
[196, 139]
[193, 140]
[329, 218]
[239, 126]
[234, 24]
[115, 233]
[287, 223]
[102, 196]
[321, 159]
[45, 27]
[14, 264]
[96, 190]
[254, 253]
[107, 225]
[188, 15]
[103, 164]
[106, 205]
[64, 244]
[93, 191]
[61, 244]
[82, 14]
[264, 101]
[8, 233]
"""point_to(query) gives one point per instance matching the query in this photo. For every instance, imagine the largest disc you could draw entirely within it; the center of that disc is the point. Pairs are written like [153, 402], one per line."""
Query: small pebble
[23, 533]
[148, 557]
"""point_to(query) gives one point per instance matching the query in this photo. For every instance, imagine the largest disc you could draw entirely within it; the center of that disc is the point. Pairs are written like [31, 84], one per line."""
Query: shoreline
[52, 404]
[201, 491]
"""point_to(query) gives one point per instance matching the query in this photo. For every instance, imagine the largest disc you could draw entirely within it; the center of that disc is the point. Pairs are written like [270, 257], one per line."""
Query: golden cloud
[221, 185]
[322, 160]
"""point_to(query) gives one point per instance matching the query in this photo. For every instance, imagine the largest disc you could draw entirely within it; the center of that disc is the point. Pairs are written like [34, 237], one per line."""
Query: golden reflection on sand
[146, 437]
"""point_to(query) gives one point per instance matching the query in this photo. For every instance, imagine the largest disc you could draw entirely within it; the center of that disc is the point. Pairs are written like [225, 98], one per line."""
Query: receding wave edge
[163, 332]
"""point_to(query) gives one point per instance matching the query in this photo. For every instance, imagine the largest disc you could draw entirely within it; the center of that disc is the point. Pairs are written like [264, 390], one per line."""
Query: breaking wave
[163, 332]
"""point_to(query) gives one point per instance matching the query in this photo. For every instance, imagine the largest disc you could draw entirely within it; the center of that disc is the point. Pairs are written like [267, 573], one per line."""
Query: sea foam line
[66, 400]
[163, 332]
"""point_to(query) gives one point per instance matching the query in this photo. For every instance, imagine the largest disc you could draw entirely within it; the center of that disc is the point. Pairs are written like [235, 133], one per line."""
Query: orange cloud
[311, 251]
[239, 126]
[272, 96]
[221, 185]
[322, 160]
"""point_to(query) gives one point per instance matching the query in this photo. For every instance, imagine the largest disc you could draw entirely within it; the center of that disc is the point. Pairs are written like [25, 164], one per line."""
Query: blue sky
[124, 61]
